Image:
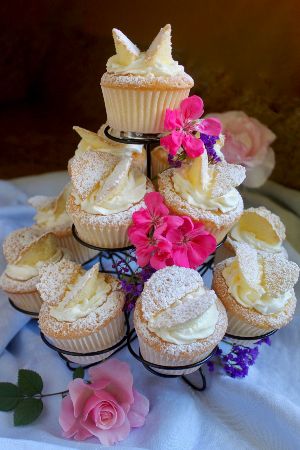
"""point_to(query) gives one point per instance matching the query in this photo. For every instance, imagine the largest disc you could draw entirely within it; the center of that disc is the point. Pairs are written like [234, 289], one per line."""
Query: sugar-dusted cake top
[157, 61]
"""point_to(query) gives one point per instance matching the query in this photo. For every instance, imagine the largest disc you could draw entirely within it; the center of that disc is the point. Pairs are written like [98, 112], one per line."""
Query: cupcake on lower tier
[138, 87]
[256, 290]
[52, 217]
[26, 251]
[205, 192]
[82, 310]
[178, 321]
[107, 190]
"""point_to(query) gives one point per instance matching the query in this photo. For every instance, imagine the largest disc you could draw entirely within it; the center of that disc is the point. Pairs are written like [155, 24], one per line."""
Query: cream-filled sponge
[178, 321]
[106, 191]
[257, 290]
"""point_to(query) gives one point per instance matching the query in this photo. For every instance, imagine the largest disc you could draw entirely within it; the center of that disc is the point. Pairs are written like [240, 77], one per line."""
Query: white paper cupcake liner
[238, 328]
[103, 236]
[79, 253]
[30, 301]
[104, 338]
[151, 355]
[140, 110]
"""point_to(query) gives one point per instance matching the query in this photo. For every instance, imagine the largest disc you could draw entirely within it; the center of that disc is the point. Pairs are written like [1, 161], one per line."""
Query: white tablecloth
[261, 411]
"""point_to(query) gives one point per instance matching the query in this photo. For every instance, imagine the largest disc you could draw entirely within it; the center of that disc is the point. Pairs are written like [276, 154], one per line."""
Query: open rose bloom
[107, 408]
[247, 142]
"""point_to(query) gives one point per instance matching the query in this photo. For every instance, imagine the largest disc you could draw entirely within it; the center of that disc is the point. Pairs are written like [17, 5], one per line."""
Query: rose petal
[258, 175]
[172, 142]
[109, 437]
[79, 393]
[191, 108]
[211, 126]
[193, 146]
[120, 377]
[139, 410]
[71, 425]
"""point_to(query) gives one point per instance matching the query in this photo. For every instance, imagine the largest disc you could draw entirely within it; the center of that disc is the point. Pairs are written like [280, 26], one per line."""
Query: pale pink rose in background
[247, 142]
[107, 408]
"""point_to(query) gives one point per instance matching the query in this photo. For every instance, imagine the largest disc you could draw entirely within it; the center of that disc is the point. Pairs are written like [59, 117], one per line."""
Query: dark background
[243, 54]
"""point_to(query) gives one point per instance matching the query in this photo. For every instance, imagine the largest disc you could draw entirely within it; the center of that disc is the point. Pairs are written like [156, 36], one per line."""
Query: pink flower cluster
[107, 408]
[162, 239]
[184, 125]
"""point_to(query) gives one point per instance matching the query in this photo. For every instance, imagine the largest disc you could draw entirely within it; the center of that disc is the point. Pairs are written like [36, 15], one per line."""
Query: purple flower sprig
[238, 361]
[209, 143]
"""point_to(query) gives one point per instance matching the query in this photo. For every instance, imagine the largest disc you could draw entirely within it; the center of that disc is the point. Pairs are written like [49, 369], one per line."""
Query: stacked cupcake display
[112, 205]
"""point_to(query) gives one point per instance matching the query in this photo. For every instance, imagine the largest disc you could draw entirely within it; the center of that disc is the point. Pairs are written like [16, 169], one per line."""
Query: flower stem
[51, 395]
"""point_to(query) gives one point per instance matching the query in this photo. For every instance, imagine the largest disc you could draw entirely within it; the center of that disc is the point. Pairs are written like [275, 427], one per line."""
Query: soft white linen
[260, 412]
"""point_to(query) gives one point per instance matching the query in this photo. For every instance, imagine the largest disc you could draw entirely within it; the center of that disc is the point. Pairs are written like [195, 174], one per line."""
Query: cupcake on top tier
[106, 191]
[52, 217]
[82, 310]
[26, 251]
[138, 86]
[98, 141]
[178, 321]
[256, 290]
[205, 192]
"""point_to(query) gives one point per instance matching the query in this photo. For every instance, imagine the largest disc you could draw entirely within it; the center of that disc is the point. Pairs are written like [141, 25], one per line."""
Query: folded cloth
[259, 412]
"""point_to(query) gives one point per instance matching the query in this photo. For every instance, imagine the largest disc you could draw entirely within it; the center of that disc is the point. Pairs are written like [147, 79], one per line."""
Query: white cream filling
[242, 235]
[201, 198]
[142, 67]
[26, 272]
[120, 199]
[252, 297]
[48, 218]
[185, 333]
[71, 309]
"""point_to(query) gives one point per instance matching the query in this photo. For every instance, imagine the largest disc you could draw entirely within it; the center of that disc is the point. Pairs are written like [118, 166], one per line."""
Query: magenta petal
[193, 146]
[139, 410]
[192, 107]
[172, 119]
[155, 204]
[180, 256]
[172, 142]
[120, 377]
[211, 126]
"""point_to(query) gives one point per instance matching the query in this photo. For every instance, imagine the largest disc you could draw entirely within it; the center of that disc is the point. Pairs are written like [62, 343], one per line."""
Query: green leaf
[10, 395]
[30, 382]
[27, 411]
[78, 373]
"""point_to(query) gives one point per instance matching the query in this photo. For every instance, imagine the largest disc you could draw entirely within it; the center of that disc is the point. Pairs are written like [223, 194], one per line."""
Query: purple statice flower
[265, 340]
[209, 142]
[236, 363]
[173, 161]
[211, 366]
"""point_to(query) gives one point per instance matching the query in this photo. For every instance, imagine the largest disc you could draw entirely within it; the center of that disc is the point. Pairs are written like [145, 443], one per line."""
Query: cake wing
[161, 47]
[91, 138]
[115, 179]
[126, 50]
[226, 177]
[264, 224]
[43, 248]
[42, 202]
[280, 274]
[88, 169]
[19, 240]
[248, 263]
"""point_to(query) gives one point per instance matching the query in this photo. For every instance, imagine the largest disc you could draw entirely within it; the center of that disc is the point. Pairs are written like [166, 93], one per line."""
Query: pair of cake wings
[160, 48]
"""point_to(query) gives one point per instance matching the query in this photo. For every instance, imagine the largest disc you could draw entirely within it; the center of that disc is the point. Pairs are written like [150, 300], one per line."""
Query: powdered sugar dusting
[273, 220]
[280, 275]
[248, 262]
[226, 177]
[17, 241]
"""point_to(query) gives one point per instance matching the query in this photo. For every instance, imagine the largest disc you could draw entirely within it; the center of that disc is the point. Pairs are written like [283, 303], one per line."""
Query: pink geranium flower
[153, 214]
[184, 123]
[191, 243]
[155, 249]
[107, 408]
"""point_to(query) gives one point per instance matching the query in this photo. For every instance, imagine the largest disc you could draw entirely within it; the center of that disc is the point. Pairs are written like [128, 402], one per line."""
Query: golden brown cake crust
[130, 81]
[250, 315]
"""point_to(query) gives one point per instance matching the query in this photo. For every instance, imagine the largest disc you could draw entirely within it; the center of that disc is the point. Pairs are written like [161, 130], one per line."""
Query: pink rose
[247, 142]
[106, 408]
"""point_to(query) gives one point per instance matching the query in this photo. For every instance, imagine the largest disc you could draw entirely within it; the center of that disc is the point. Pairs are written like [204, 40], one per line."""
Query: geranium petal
[211, 126]
[120, 376]
[172, 142]
[192, 107]
[193, 146]
[155, 204]
[138, 410]
[172, 119]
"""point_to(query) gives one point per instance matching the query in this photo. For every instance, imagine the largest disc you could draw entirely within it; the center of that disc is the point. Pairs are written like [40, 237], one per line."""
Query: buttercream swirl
[26, 272]
[71, 309]
[201, 198]
[252, 297]
[144, 67]
[127, 193]
[242, 235]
